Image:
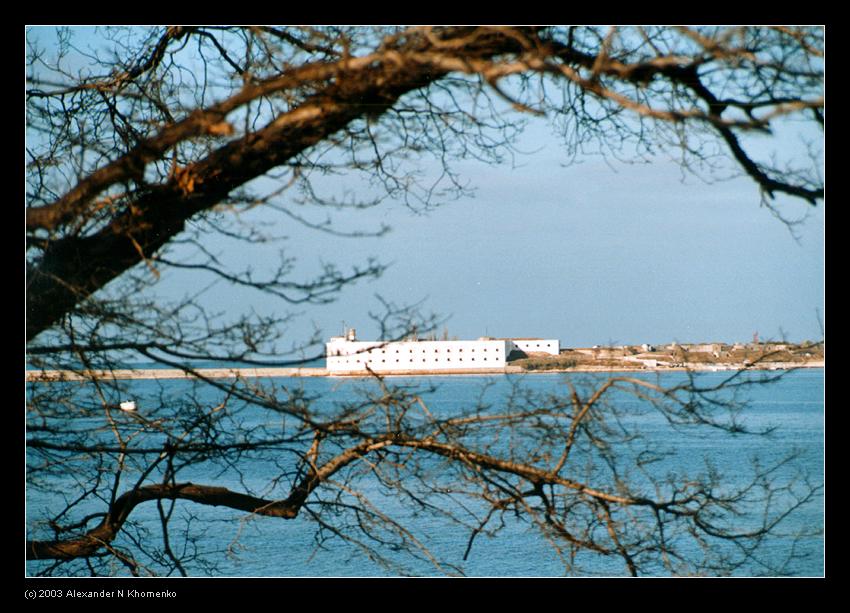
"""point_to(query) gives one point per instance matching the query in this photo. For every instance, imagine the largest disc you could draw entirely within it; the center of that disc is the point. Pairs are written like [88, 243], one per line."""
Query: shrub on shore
[546, 364]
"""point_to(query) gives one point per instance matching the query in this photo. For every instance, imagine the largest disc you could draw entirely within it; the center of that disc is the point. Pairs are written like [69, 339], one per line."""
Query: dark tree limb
[99, 537]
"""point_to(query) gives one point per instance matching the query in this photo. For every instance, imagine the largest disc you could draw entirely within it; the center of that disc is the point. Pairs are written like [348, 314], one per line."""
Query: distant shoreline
[232, 373]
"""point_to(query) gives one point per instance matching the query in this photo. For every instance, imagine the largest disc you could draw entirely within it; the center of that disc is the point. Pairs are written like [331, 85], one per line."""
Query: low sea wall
[169, 373]
[232, 373]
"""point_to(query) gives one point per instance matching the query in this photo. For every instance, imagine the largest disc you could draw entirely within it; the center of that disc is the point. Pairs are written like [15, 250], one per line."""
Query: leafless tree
[143, 147]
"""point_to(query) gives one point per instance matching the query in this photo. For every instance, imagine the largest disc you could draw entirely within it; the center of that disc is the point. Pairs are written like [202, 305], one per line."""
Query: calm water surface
[250, 546]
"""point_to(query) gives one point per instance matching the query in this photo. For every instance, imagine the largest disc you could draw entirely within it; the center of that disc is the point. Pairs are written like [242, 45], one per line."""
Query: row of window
[339, 351]
[369, 361]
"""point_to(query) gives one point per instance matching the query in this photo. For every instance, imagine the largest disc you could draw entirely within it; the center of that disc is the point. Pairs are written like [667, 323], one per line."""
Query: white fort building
[347, 354]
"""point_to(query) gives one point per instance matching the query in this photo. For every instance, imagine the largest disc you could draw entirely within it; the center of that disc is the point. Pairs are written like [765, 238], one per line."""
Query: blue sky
[595, 252]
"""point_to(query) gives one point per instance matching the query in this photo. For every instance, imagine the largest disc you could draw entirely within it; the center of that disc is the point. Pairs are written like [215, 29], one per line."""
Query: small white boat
[128, 405]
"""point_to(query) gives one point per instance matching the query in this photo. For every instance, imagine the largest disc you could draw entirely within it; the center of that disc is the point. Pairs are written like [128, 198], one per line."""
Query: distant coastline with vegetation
[623, 358]
[676, 356]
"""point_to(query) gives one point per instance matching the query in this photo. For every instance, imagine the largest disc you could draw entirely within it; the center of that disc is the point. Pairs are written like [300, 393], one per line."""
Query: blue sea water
[242, 545]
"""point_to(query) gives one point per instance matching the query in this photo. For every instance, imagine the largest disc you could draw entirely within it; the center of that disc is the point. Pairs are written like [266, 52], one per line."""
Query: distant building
[777, 346]
[347, 354]
[706, 348]
[536, 345]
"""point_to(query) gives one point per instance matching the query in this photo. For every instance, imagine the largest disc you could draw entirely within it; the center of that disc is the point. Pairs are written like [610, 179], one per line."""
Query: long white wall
[537, 345]
[352, 356]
